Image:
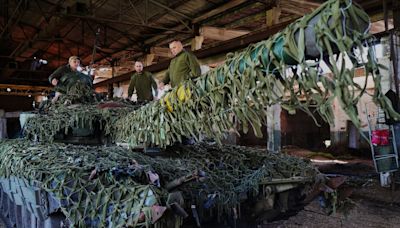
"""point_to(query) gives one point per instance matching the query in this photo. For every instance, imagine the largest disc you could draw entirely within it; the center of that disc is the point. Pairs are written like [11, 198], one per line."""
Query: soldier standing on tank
[183, 66]
[143, 82]
[60, 80]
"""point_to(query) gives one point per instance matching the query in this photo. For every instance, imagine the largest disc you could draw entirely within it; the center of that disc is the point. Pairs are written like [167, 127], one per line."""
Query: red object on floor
[380, 137]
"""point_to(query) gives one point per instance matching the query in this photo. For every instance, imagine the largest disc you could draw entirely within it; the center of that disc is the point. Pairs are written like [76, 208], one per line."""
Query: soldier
[183, 66]
[66, 76]
[72, 66]
[143, 83]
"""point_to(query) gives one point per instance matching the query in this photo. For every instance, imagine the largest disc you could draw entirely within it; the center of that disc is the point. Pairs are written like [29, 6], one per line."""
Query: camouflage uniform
[143, 83]
[182, 67]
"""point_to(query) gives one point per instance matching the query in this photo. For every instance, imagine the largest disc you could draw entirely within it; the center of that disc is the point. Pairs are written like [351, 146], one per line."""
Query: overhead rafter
[174, 12]
[306, 3]
[160, 51]
[23, 90]
[148, 21]
[123, 35]
[154, 19]
[105, 20]
[157, 38]
[151, 41]
[293, 10]
[217, 48]
[214, 33]
[396, 15]
[10, 20]
[137, 12]
[219, 10]
[51, 22]
[170, 9]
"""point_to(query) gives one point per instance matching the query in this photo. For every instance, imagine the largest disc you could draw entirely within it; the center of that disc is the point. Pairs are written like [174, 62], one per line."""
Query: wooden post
[149, 59]
[161, 52]
[394, 45]
[197, 42]
[214, 33]
[272, 16]
[274, 128]
[110, 92]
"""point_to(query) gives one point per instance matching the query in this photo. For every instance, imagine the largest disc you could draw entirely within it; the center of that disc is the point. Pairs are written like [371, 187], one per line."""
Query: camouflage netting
[62, 118]
[78, 87]
[275, 71]
[231, 170]
[101, 186]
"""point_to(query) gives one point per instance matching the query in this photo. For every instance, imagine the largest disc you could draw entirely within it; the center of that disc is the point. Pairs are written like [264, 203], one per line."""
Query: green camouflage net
[275, 71]
[109, 186]
[78, 87]
[86, 201]
[230, 170]
[61, 118]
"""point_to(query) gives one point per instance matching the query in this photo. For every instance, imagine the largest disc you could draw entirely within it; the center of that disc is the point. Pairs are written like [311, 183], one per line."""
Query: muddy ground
[373, 205]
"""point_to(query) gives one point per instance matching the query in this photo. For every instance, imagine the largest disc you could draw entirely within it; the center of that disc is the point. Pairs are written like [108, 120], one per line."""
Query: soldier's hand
[54, 81]
[161, 85]
[55, 98]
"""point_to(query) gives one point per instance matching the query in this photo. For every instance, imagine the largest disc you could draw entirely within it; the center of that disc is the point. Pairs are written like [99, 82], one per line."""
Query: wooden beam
[149, 59]
[106, 20]
[294, 10]
[136, 12]
[396, 15]
[307, 3]
[197, 42]
[379, 26]
[246, 20]
[379, 16]
[25, 87]
[217, 48]
[272, 16]
[160, 51]
[221, 34]
[216, 11]
[161, 35]
[24, 90]
[288, 18]
[170, 9]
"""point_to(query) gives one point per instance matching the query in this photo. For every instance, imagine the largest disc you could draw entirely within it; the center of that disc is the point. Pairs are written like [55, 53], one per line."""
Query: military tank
[86, 186]
[48, 182]
[68, 171]
[61, 174]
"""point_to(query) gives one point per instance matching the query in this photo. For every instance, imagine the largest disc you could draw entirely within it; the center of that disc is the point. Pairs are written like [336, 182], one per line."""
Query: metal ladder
[385, 156]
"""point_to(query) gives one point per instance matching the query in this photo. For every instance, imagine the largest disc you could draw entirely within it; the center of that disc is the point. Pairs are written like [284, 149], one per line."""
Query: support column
[197, 42]
[274, 128]
[395, 45]
[110, 92]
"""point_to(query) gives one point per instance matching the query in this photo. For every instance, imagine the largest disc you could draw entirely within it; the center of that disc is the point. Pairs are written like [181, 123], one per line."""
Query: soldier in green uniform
[143, 83]
[183, 66]
[67, 76]
[72, 66]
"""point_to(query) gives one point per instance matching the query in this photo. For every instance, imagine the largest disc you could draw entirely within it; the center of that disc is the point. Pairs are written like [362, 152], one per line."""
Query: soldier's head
[74, 62]
[138, 66]
[176, 47]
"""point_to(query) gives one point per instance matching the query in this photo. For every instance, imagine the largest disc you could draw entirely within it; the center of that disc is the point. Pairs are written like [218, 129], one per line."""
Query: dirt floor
[372, 205]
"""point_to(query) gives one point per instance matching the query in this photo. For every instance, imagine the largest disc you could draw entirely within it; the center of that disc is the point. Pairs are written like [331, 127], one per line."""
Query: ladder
[382, 141]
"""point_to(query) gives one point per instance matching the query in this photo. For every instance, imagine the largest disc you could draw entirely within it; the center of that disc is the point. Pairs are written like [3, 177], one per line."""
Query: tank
[57, 184]
[85, 162]
[70, 170]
